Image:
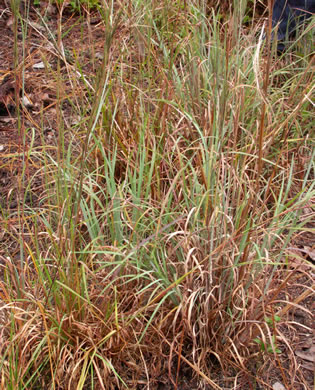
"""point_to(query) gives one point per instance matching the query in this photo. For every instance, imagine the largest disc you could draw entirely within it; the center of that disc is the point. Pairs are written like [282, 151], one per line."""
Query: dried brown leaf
[308, 354]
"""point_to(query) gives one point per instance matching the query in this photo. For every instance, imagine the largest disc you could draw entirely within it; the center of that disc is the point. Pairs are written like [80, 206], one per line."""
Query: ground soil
[295, 335]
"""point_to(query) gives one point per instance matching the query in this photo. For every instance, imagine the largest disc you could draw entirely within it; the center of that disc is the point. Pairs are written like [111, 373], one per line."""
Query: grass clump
[157, 247]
